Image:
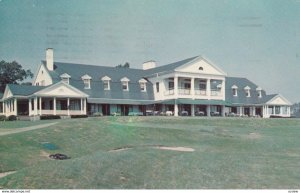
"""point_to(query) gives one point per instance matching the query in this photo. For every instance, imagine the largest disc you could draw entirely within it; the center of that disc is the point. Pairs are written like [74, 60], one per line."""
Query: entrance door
[124, 110]
[247, 111]
[106, 109]
[258, 111]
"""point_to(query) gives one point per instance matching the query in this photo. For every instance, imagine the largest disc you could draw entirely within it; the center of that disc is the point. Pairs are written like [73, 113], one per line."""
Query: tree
[12, 73]
[126, 65]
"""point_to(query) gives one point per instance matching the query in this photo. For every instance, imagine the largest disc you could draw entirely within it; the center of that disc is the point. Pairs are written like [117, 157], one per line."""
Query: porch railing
[200, 92]
[169, 92]
[184, 91]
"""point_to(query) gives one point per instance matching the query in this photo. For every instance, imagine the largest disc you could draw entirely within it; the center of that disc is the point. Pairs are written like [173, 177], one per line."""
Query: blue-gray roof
[24, 90]
[76, 71]
[241, 97]
[1, 95]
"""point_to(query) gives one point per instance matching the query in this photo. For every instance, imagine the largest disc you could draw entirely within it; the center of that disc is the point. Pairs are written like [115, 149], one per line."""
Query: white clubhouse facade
[193, 87]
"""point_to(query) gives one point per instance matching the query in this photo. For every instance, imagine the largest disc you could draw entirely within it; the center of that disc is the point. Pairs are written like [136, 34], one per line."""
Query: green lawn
[229, 153]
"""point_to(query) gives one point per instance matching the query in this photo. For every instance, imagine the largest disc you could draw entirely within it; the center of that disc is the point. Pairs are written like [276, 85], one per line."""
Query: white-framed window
[234, 90]
[125, 82]
[259, 93]
[106, 82]
[65, 78]
[125, 86]
[106, 85]
[157, 87]
[143, 86]
[247, 91]
[86, 81]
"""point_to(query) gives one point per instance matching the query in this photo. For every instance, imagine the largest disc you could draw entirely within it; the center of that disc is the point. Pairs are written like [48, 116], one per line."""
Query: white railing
[215, 93]
[200, 92]
[61, 112]
[47, 112]
[75, 112]
[169, 92]
[184, 91]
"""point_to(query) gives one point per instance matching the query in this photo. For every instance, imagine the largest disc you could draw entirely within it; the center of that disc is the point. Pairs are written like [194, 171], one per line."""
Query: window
[200, 68]
[65, 78]
[142, 83]
[106, 82]
[171, 84]
[258, 90]
[157, 87]
[202, 85]
[106, 85]
[247, 90]
[125, 86]
[86, 81]
[143, 86]
[234, 92]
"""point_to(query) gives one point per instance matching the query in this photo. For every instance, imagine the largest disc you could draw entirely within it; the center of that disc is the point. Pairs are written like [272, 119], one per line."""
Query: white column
[208, 88]
[68, 105]
[40, 104]
[176, 109]
[175, 87]
[84, 106]
[223, 110]
[241, 111]
[192, 110]
[280, 110]
[274, 110]
[35, 106]
[3, 107]
[15, 107]
[208, 110]
[253, 111]
[29, 107]
[193, 87]
[54, 105]
[81, 104]
[289, 111]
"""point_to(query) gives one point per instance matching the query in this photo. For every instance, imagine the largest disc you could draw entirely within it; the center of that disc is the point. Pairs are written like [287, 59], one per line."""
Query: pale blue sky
[256, 39]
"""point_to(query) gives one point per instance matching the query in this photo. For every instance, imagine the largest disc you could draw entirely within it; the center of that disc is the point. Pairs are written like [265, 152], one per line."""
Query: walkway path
[19, 130]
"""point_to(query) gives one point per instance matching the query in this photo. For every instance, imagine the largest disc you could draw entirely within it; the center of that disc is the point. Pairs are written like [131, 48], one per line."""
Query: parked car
[169, 113]
[184, 113]
[199, 113]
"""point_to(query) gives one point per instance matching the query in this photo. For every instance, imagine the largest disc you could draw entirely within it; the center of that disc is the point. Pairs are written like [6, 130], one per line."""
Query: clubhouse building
[192, 87]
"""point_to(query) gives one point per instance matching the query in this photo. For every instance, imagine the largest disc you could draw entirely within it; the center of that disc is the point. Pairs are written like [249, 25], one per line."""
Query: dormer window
[65, 78]
[247, 90]
[86, 81]
[234, 90]
[258, 90]
[143, 84]
[124, 82]
[106, 82]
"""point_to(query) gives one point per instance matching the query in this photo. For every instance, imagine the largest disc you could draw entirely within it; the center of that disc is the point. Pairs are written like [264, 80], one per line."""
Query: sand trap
[2, 175]
[185, 149]
[182, 149]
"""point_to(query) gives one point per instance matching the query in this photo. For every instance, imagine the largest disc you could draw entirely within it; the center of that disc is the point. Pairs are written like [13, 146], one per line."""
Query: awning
[119, 101]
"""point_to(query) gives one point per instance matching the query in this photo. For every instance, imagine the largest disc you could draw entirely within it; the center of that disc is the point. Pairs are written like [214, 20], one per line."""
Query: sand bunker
[182, 149]
[2, 175]
[185, 149]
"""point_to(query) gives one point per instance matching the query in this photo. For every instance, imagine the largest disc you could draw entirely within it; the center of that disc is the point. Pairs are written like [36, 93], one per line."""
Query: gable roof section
[169, 67]
[241, 98]
[24, 90]
[278, 100]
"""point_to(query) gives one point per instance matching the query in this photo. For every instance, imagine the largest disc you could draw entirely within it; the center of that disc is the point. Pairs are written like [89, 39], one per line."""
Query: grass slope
[229, 153]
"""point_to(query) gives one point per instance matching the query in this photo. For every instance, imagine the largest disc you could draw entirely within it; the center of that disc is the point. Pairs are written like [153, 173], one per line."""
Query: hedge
[78, 116]
[2, 118]
[12, 118]
[46, 117]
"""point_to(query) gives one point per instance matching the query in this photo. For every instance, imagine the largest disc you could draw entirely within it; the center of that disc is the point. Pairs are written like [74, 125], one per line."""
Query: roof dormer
[258, 90]
[65, 78]
[106, 82]
[142, 83]
[247, 90]
[124, 82]
[86, 81]
[234, 90]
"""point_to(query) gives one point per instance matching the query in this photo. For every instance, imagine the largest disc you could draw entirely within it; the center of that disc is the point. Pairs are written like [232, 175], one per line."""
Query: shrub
[78, 116]
[2, 118]
[97, 114]
[12, 118]
[46, 117]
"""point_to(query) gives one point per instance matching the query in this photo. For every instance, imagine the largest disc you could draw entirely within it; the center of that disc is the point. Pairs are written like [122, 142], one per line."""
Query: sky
[257, 39]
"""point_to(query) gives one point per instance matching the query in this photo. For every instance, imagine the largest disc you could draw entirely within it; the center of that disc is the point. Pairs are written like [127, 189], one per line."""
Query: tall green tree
[126, 65]
[12, 73]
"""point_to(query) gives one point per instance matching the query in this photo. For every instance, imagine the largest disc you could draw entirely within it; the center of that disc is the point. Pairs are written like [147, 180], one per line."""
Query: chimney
[148, 65]
[49, 59]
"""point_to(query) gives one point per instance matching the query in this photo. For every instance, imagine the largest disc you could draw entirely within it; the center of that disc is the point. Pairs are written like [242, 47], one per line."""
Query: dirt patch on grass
[161, 147]
[254, 136]
[44, 154]
[2, 175]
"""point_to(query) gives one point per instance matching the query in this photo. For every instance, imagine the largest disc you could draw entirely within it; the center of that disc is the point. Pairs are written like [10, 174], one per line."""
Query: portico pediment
[278, 100]
[201, 66]
[61, 89]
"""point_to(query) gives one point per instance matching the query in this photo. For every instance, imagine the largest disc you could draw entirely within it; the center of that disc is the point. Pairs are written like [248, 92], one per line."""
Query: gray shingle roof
[241, 97]
[24, 90]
